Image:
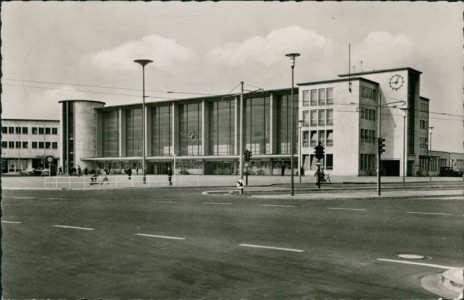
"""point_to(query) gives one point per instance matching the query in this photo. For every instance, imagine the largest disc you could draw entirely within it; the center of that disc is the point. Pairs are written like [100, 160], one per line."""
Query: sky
[54, 51]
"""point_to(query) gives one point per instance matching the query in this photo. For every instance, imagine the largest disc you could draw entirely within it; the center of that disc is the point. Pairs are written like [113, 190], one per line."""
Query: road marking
[272, 248]
[164, 201]
[11, 222]
[276, 205]
[73, 227]
[427, 213]
[217, 203]
[14, 197]
[342, 208]
[160, 236]
[416, 263]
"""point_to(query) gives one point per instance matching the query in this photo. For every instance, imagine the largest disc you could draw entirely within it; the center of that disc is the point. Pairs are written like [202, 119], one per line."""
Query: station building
[201, 135]
[28, 143]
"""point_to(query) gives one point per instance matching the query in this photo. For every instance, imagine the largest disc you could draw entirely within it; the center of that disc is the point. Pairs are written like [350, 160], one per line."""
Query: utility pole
[379, 120]
[241, 135]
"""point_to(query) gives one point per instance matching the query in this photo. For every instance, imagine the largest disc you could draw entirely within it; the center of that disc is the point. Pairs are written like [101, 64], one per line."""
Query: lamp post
[300, 157]
[405, 110]
[292, 56]
[430, 154]
[143, 63]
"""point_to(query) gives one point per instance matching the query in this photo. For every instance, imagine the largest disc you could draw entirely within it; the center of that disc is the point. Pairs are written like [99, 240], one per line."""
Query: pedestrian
[79, 171]
[283, 169]
[86, 171]
[105, 178]
[60, 171]
[170, 176]
[129, 172]
[137, 171]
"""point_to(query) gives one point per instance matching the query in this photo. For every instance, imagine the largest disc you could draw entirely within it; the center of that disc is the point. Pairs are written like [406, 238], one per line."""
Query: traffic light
[247, 155]
[319, 151]
[381, 144]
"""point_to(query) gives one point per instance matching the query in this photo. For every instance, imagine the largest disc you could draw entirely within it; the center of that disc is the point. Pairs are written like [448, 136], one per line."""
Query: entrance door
[161, 168]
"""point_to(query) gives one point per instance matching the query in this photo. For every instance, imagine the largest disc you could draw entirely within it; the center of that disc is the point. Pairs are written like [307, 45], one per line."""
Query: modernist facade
[201, 135]
[29, 144]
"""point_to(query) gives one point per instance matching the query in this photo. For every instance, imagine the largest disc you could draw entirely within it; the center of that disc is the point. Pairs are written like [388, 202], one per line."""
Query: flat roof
[380, 71]
[339, 80]
[30, 120]
[81, 100]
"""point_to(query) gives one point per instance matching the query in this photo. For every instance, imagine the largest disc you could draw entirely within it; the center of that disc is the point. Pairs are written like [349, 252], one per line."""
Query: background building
[27, 143]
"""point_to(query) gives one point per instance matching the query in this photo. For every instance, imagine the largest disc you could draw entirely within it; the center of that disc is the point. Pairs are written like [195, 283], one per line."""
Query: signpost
[240, 184]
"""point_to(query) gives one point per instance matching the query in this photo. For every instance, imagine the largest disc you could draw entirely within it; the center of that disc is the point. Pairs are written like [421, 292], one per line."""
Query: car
[46, 172]
[449, 172]
[28, 172]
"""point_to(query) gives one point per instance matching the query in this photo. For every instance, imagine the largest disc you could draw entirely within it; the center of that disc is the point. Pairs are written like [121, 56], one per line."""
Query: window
[18, 145]
[305, 138]
[329, 134]
[330, 99]
[48, 130]
[41, 145]
[313, 117]
[54, 130]
[11, 145]
[306, 118]
[25, 145]
[423, 124]
[321, 117]
[4, 130]
[34, 130]
[305, 98]
[54, 145]
[313, 140]
[11, 130]
[25, 129]
[34, 145]
[313, 97]
[363, 135]
[329, 161]
[321, 99]
[329, 116]
[48, 145]
[4, 144]
[41, 130]
[321, 136]
[18, 130]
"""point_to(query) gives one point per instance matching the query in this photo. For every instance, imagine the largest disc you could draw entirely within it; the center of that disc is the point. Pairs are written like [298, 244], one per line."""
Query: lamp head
[292, 56]
[143, 62]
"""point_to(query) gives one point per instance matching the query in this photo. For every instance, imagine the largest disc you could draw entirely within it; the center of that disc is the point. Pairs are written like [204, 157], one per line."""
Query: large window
[4, 130]
[313, 97]
[305, 138]
[283, 112]
[321, 117]
[25, 129]
[134, 140]
[329, 117]
[306, 118]
[221, 127]
[321, 99]
[306, 98]
[257, 125]
[314, 117]
[330, 96]
[190, 137]
[161, 132]
[110, 122]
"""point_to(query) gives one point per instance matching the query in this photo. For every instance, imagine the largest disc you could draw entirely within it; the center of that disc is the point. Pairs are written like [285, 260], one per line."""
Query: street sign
[240, 184]
[50, 159]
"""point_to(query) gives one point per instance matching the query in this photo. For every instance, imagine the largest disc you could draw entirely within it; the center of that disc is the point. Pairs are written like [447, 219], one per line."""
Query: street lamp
[405, 110]
[143, 63]
[430, 154]
[292, 56]
[300, 158]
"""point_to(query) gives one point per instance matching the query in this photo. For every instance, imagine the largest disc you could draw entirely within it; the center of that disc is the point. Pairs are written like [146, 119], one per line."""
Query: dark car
[449, 172]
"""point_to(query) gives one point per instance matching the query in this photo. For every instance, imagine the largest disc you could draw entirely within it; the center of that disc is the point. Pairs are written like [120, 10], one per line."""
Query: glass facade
[134, 140]
[190, 129]
[161, 131]
[68, 135]
[110, 133]
[256, 122]
[283, 113]
[221, 127]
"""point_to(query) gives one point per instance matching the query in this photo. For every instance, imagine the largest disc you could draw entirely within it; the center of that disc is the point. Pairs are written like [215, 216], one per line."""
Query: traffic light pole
[379, 121]
[241, 135]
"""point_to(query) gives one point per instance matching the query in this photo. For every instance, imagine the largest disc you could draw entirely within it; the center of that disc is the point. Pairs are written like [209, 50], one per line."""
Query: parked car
[28, 172]
[449, 172]
[46, 172]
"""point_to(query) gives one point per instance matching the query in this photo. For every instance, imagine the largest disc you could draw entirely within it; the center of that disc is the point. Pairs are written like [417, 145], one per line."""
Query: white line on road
[73, 227]
[272, 248]
[217, 203]
[417, 263]
[342, 208]
[14, 197]
[276, 205]
[11, 222]
[160, 236]
[164, 202]
[427, 213]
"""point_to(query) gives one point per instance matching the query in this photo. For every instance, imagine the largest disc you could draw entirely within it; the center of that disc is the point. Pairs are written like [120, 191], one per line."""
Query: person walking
[170, 175]
[129, 172]
[79, 171]
[60, 171]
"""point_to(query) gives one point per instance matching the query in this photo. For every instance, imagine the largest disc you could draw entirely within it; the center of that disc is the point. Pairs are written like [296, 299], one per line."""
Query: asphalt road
[180, 244]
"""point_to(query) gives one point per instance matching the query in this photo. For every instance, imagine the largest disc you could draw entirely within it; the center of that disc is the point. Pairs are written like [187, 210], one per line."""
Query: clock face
[396, 82]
